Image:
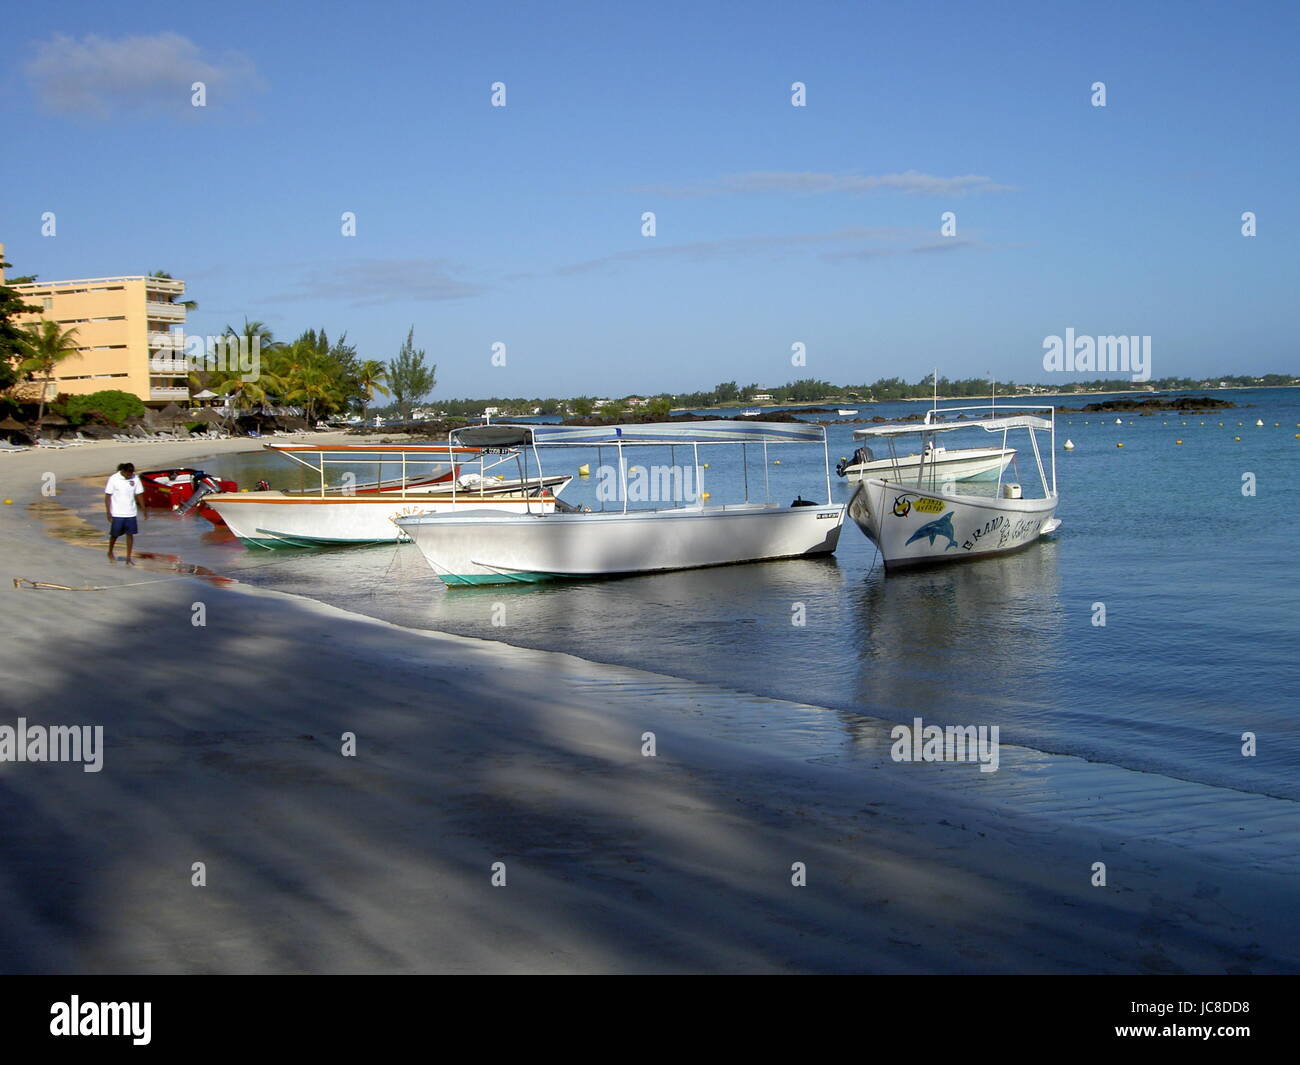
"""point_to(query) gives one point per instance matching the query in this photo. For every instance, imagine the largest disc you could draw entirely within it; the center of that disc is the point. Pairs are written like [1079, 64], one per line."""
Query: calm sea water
[1200, 585]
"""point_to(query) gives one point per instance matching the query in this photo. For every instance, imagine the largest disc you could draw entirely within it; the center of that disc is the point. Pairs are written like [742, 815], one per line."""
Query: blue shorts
[123, 526]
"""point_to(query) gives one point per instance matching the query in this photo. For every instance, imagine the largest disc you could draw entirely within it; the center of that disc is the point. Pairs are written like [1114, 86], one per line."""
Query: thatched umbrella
[170, 413]
[54, 419]
[12, 425]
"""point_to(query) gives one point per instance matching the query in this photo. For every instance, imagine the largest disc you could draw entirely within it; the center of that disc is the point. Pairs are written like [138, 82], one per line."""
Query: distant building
[762, 397]
[118, 320]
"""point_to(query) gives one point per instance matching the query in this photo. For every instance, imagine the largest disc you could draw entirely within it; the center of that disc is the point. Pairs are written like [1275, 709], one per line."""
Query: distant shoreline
[1019, 397]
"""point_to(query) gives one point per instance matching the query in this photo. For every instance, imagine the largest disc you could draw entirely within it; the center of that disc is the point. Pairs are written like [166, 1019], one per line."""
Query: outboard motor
[203, 486]
[799, 501]
[862, 455]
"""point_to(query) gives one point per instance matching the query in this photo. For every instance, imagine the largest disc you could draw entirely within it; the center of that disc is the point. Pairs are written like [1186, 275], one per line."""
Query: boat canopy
[702, 432]
[365, 449]
[989, 425]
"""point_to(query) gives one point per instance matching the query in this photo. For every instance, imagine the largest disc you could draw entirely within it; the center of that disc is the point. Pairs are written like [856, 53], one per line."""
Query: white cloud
[840, 245]
[808, 182]
[367, 282]
[98, 77]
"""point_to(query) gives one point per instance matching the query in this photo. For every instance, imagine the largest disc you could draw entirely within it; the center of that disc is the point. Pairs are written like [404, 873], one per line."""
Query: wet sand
[222, 746]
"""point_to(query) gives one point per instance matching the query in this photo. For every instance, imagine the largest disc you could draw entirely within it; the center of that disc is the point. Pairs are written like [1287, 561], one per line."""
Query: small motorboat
[183, 488]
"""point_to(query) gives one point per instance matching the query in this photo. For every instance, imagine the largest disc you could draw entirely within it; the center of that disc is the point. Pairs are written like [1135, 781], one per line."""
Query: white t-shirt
[122, 492]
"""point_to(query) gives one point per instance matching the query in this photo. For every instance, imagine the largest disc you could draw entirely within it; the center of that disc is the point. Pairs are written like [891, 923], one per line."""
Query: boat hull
[915, 527]
[506, 549]
[275, 520]
[966, 464]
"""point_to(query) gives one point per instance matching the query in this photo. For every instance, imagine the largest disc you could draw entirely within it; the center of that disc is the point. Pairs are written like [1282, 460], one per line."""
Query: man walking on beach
[120, 508]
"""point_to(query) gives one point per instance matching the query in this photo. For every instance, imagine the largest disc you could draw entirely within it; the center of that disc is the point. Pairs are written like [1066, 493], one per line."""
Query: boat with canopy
[358, 490]
[682, 531]
[916, 516]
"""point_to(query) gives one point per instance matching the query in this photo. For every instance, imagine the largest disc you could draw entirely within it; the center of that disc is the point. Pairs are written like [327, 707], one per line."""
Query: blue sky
[775, 224]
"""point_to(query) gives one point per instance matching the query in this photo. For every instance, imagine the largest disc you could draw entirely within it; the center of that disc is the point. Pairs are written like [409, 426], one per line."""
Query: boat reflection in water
[961, 644]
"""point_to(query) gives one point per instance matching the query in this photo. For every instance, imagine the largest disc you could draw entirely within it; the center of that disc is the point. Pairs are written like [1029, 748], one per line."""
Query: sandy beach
[223, 746]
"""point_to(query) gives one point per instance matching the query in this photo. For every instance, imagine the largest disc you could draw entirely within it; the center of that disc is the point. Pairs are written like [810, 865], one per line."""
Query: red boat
[180, 489]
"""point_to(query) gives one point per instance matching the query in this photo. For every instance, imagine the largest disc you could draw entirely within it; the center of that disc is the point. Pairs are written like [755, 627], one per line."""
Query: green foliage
[13, 337]
[408, 376]
[111, 407]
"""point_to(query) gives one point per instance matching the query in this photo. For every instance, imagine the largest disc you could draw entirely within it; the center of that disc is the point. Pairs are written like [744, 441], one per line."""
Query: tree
[370, 377]
[111, 406]
[47, 346]
[409, 378]
[660, 406]
[13, 337]
[583, 406]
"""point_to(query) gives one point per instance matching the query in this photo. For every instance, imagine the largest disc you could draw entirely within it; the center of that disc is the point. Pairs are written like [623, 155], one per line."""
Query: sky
[774, 225]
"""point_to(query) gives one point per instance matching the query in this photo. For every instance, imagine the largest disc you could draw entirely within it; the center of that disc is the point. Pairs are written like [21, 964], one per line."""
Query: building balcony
[168, 392]
[165, 312]
[172, 366]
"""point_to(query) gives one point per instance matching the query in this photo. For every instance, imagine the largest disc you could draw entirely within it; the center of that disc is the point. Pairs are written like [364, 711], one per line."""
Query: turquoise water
[1200, 585]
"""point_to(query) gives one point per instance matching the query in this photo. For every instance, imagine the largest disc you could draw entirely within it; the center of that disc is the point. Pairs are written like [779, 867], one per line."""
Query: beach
[223, 745]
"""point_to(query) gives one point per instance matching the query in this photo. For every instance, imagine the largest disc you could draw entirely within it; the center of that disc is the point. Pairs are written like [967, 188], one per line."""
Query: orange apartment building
[118, 321]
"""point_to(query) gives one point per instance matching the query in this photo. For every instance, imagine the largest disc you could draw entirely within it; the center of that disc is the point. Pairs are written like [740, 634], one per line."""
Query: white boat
[942, 464]
[752, 412]
[431, 480]
[846, 413]
[475, 548]
[916, 519]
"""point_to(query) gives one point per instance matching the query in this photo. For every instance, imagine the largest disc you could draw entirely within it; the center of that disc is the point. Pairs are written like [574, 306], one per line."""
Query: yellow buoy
[776, 462]
[8, 501]
[706, 465]
[1119, 445]
[705, 495]
[584, 470]
[1236, 438]
[1177, 441]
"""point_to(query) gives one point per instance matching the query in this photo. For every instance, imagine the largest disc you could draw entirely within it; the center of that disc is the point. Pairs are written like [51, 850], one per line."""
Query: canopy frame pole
[744, 462]
[767, 484]
[1038, 458]
[699, 476]
[622, 474]
[1003, 467]
[1053, 452]
[826, 464]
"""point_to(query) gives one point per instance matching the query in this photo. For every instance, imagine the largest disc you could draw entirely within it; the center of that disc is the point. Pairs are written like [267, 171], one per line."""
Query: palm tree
[370, 374]
[48, 345]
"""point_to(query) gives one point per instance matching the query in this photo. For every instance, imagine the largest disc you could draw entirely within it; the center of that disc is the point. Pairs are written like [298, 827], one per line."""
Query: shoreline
[224, 747]
[980, 399]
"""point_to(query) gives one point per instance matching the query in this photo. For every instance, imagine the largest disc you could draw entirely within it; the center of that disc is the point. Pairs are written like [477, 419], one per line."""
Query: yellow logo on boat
[928, 506]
